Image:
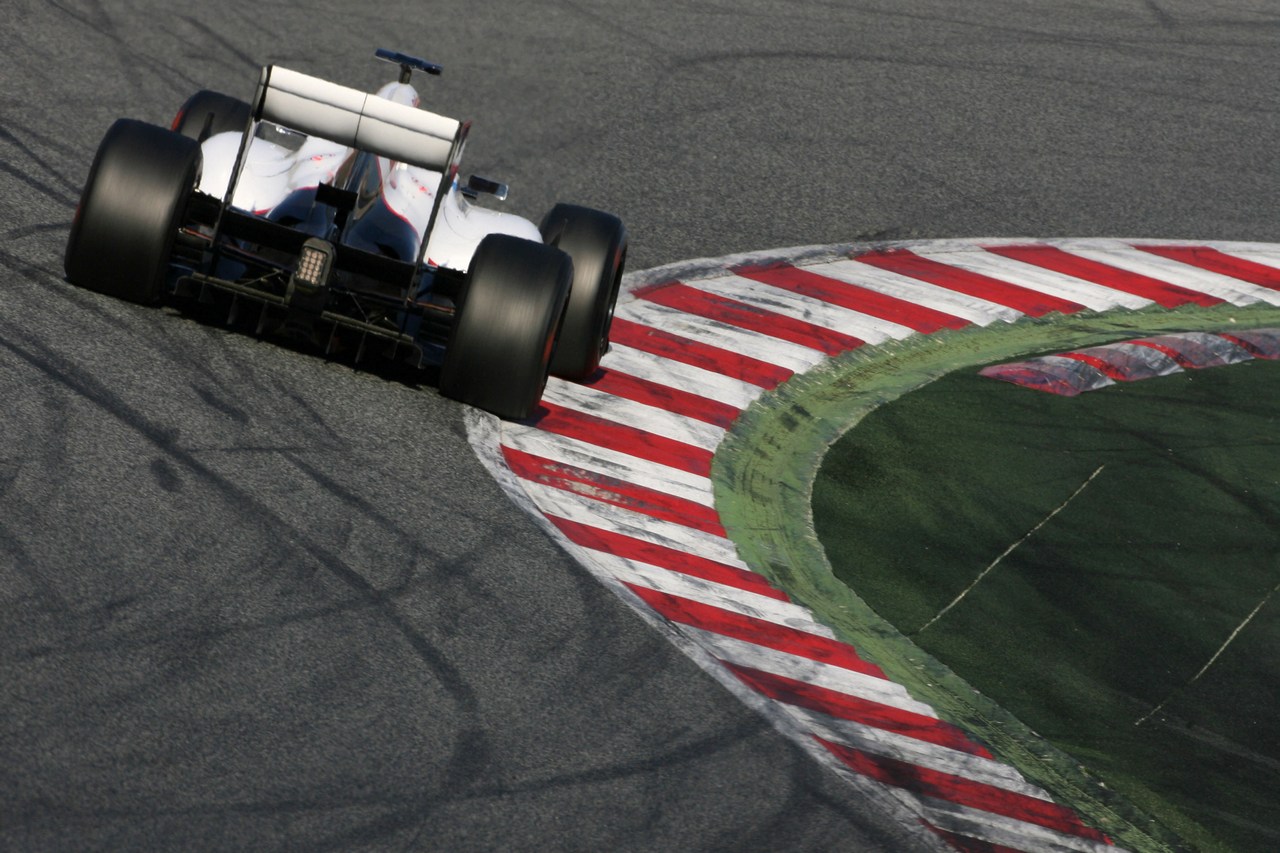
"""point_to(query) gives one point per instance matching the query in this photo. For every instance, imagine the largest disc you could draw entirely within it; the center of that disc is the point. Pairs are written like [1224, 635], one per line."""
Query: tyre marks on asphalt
[618, 469]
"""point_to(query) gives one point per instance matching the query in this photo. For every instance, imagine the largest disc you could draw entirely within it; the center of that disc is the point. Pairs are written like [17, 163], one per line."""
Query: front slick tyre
[508, 314]
[597, 243]
[132, 206]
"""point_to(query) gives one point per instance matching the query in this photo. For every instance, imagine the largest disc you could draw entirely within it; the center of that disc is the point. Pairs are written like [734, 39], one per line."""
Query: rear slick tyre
[504, 331]
[208, 113]
[130, 211]
[597, 243]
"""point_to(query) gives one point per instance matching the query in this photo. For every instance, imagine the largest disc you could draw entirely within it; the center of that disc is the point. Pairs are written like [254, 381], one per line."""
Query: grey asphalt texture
[254, 599]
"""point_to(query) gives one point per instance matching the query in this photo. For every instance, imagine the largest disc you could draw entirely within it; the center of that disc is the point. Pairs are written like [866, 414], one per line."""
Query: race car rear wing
[353, 118]
[357, 120]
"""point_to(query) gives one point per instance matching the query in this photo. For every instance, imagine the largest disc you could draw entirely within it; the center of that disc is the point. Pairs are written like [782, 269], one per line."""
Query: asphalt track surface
[251, 598]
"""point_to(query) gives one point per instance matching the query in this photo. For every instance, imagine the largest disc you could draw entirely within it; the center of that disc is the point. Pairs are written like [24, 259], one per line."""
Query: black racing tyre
[597, 243]
[206, 113]
[132, 206]
[504, 332]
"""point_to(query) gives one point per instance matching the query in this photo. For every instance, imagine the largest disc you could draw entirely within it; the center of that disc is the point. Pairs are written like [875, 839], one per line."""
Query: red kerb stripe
[853, 297]
[756, 631]
[696, 354]
[1250, 347]
[845, 707]
[675, 560]
[1220, 262]
[965, 792]
[1183, 362]
[1024, 299]
[1093, 361]
[1052, 258]
[630, 440]
[663, 396]
[614, 491]
[690, 300]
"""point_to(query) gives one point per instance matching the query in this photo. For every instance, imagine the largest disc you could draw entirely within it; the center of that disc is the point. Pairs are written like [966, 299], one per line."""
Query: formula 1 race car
[339, 216]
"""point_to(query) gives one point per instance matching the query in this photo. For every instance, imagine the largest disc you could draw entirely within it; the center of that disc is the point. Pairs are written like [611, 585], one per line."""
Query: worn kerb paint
[1071, 373]
[617, 469]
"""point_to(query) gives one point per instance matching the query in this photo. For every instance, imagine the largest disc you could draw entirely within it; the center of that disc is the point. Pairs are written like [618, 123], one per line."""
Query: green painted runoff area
[1129, 532]
[1101, 569]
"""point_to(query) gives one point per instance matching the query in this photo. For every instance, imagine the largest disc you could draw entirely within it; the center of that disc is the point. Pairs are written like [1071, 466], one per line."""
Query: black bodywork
[377, 292]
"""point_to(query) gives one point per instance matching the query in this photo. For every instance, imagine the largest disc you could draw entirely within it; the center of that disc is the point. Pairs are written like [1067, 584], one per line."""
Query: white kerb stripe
[1006, 831]
[1161, 363]
[728, 598]
[763, 347]
[1267, 259]
[676, 374]
[800, 668]
[610, 463]
[800, 307]
[651, 419]
[1091, 295]
[978, 311]
[615, 519]
[1228, 289]
[922, 753]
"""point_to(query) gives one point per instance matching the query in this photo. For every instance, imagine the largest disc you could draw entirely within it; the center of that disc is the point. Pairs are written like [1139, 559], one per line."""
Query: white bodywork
[387, 122]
